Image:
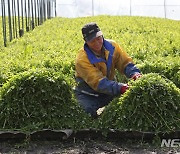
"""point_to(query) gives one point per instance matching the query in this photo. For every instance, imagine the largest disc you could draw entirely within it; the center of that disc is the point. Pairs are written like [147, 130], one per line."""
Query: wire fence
[19, 16]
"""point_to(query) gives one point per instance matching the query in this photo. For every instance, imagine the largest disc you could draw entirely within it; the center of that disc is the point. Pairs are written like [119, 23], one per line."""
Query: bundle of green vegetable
[39, 99]
[151, 104]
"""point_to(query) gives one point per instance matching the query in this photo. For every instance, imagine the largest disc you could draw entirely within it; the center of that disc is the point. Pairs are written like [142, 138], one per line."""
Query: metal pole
[32, 13]
[47, 7]
[22, 14]
[38, 12]
[44, 10]
[165, 8]
[35, 7]
[55, 9]
[22, 32]
[13, 19]
[28, 14]
[4, 21]
[9, 18]
[41, 11]
[18, 16]
[92, 7]
[27, 29]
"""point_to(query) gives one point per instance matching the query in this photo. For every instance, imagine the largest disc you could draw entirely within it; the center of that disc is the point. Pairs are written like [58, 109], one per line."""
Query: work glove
[123, 89]
[136, 76]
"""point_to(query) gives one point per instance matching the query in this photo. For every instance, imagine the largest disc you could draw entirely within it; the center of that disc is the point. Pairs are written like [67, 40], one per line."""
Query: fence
[23, 15]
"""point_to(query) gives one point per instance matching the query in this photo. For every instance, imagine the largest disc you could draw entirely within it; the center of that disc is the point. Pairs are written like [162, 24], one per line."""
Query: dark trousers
[91, 103]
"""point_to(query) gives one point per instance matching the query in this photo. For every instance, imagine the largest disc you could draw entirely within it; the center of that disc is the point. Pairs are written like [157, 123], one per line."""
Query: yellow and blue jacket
[96, 75]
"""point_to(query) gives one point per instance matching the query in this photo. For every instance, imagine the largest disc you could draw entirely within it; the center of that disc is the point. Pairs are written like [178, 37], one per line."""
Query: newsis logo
[173, 143]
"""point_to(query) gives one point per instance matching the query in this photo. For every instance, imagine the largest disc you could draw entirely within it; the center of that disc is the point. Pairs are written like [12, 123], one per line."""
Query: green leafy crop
[151, 104]
[39, 99]
[37, 76]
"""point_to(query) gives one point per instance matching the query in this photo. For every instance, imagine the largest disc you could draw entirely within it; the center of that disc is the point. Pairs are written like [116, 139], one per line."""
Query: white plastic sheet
[81, 8]
[154, 8]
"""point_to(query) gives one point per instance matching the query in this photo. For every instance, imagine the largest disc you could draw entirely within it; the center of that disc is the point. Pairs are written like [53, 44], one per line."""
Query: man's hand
[123, 89]
[136, 76]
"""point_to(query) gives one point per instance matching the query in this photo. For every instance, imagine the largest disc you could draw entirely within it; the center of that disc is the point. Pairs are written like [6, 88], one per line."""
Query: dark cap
[91, 31]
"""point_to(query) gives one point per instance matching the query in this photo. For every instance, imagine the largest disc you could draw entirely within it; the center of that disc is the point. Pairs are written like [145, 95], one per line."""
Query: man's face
[96, 44]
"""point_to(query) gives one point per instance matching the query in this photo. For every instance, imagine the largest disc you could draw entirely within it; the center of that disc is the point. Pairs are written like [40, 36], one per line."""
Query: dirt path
[83, 146]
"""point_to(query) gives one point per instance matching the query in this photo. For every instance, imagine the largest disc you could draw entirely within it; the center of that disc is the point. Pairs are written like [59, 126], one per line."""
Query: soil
[83, 146]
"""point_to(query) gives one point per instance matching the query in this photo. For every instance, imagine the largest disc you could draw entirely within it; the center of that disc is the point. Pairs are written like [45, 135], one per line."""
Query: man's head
[93, 36]
[91, 31]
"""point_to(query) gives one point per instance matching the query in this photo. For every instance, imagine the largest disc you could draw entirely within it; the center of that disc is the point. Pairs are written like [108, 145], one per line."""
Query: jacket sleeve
[130, 70]
[109, 87]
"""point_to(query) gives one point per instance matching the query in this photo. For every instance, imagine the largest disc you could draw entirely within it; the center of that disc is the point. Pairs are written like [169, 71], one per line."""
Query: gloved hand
[123, 89]
[136, 76]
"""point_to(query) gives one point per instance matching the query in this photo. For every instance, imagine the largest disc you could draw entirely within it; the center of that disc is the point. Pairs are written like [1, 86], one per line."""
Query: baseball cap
[91, 31]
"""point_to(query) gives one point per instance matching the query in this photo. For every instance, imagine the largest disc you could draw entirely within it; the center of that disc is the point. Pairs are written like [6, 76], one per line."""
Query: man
[95, 70]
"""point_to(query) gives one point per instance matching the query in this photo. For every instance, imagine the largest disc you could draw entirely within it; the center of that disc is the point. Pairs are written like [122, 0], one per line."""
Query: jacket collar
[93, 58]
